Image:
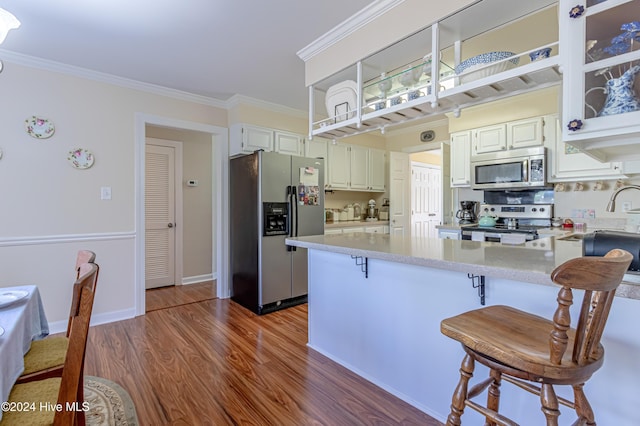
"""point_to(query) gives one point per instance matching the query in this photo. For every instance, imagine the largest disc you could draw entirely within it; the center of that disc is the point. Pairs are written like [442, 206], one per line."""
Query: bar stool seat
[524, 349]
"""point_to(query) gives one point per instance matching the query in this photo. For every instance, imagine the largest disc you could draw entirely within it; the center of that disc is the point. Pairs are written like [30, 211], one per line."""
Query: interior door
[160, 241]
[399, 193]
[420, 200]
[426, 200]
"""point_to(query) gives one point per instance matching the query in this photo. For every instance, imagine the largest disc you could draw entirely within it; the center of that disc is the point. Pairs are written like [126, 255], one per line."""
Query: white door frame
[220, 162]
[178, 207]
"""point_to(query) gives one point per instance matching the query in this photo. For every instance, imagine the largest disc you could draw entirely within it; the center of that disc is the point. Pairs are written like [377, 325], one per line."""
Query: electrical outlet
[626, 206]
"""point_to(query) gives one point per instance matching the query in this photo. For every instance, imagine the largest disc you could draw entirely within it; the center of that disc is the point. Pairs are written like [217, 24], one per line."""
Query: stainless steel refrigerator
[273, 196]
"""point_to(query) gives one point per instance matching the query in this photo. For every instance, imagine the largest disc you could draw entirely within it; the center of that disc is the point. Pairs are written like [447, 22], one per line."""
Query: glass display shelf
[403, 84]
[611, 60]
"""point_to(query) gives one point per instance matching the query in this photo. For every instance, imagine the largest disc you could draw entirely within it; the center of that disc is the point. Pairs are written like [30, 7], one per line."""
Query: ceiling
[212, 48]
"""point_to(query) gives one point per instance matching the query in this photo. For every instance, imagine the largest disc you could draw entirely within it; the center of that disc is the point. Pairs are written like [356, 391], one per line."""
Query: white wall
[49, 209]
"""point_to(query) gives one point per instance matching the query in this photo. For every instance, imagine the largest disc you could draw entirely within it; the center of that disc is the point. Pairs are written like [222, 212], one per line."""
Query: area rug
[109, 404]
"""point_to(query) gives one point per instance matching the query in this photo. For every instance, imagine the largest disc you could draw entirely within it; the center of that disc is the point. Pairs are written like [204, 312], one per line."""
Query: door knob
[170, 225]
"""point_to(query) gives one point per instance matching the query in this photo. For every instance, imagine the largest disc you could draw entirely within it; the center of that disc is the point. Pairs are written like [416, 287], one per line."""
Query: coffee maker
[468, 212]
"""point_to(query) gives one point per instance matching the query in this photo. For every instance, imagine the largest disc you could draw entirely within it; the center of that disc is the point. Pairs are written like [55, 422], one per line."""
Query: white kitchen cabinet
[460, 162]
[339, 165]
[591, 117]
[353, 229]
[449, 234]
[377, 169]
[247, 138]
[511, 135]
[489, 139]
[315, 148]
[288, 143]
[567, 163]
[359, 158]
[525, 133]
[355, 167]
[374, 229]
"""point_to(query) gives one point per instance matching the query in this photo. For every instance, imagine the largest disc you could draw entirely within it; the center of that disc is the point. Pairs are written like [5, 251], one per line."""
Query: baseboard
[96, 319]
[199, 279]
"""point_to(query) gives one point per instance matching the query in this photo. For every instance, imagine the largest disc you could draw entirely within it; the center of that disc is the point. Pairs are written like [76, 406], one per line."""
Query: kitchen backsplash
[587, 205]
[338, 199]
[590, 206]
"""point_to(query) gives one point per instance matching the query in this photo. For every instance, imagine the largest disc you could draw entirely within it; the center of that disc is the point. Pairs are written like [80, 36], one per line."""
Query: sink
[572, 237]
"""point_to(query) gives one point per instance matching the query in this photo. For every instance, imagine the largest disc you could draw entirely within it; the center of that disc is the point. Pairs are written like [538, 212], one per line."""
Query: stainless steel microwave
[512, 169]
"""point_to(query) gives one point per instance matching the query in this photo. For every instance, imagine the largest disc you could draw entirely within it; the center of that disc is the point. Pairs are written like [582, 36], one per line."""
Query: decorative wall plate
[80, 158]
[39, 128]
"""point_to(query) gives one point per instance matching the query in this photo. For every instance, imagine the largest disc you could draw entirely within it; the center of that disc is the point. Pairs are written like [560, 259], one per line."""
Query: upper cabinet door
[460, 161]
[601, 106]
[359, 167]
[377, 173]
[255, 138]
[339, 166]
[288, 143]
[489, 139]
[525, 133]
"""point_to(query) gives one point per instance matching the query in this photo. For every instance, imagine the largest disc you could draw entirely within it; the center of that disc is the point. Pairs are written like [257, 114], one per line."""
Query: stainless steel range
[524, 219]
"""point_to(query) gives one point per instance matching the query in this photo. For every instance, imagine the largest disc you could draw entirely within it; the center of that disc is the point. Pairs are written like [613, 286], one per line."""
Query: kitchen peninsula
[376, 302]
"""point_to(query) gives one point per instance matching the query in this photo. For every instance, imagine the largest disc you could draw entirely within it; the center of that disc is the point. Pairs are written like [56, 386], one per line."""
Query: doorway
[218, 140]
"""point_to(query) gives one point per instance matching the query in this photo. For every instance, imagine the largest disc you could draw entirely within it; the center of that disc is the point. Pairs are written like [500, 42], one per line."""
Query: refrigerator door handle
[290, 192]
[294, 192]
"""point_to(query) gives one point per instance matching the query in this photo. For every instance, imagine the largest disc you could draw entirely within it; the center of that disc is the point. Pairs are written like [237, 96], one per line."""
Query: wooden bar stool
[522, 348]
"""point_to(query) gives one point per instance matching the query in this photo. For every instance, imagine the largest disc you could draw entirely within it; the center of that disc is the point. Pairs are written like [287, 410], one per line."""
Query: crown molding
[347, 27]
[45, 64]
[237, 100]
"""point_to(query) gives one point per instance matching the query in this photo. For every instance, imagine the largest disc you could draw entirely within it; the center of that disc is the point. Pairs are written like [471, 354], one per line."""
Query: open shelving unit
[392, 87]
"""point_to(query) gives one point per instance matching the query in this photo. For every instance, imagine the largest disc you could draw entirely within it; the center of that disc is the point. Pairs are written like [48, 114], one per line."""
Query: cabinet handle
[504, 147]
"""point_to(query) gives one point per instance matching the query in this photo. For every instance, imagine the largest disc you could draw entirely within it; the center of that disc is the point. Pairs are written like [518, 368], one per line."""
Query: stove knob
[541, 209]
[534, 209]
[493, 209]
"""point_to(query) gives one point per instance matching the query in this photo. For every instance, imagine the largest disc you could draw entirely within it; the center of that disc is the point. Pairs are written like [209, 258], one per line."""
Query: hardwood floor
[216, 363]
[176, 295]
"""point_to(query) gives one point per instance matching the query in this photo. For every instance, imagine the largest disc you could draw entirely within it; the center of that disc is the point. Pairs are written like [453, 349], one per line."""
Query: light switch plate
[105, 193]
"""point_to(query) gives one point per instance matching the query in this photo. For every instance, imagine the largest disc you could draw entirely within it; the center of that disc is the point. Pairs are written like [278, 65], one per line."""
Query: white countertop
[531, 262]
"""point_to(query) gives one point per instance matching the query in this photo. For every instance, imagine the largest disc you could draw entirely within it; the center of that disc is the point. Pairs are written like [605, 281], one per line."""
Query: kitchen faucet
[611, 206]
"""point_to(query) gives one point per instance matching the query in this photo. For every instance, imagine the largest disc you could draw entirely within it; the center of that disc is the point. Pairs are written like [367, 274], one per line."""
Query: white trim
[45, 64]
[347, 27]
[237, 100]
[220, 161]
[68, 238]
[96, 319]
[196, 279]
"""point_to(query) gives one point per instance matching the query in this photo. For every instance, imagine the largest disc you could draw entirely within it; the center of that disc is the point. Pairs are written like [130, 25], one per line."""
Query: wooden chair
[522, 348]
[46, 357]
[60, 390]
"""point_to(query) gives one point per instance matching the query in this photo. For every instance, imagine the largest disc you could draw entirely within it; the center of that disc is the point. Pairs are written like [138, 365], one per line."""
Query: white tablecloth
[23, 321]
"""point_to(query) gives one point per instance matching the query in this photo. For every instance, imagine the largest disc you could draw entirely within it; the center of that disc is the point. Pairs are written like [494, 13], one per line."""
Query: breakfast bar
[376, 302]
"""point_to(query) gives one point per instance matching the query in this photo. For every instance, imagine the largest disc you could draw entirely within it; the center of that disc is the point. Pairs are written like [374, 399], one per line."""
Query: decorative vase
[620, 95]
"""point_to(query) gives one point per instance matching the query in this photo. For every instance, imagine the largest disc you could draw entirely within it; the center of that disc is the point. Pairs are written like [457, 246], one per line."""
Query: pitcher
[620, 95]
